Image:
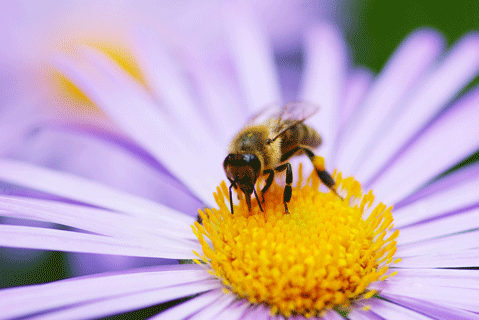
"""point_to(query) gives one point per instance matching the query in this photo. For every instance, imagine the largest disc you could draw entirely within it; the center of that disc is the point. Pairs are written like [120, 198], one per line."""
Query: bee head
[242, 170]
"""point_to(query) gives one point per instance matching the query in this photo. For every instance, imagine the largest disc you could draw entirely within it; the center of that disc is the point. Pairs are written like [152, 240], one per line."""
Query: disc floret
[322, 255]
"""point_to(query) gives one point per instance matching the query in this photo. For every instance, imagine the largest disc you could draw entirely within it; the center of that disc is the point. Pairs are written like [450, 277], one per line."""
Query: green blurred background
[379, 26]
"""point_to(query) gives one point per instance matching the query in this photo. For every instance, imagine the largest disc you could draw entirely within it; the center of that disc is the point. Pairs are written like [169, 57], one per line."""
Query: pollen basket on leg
[322, 255]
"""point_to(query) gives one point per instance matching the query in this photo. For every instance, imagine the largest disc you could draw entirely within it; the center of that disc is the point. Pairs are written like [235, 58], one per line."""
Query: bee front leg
[233, 184]
[289, 180]
[324, 176]
[268, 183]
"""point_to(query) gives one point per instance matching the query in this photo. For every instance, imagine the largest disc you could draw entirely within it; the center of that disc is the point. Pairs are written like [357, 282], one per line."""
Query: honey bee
[264, 147]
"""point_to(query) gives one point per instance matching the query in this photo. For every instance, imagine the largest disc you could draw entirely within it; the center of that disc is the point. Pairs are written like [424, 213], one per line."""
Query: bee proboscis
[265, 145]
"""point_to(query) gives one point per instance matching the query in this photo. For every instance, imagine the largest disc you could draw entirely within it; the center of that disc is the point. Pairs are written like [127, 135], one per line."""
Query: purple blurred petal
[195, 137]
[252, 57]
[431, 309]
[16, 302]
[128, 105]
[453, 223]
[221, 99]
[212, 310]
[183, 310]
[116, 139]
[93, 220]
[449, 139]
[323, 82]
[102, 156]
[389, 310]
[357, 85]
[169, 85]
[60, 240]
[459, 67]
[402, 73]
[83, 190]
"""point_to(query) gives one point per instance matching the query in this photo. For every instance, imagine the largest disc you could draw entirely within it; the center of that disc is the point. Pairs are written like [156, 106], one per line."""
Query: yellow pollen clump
[322, 255]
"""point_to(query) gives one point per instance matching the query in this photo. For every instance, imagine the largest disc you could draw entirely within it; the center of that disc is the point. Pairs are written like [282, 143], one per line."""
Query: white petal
[448, 140]
[189, 307]
[212, 310]
[461, 259]
[94, 220]
[60, 240]
[359, 314]
[323, 82]
[447, 296]
[86, 191]
[259, 312]
[332, 315]
[432, 309]
[454, 223]
[132, 302]
[441, 86]
[444, 245]
[15, 302]
[437, 277]
[253, 58]
[389, 310]
[236, 311]
[401, 74]
[454, 192]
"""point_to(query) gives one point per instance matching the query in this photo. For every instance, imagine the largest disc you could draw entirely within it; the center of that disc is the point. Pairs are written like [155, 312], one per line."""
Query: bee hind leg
[289, 180]
[324, 176]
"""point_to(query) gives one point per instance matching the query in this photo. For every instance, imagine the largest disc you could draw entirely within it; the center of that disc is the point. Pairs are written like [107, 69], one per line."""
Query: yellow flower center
[322, 255]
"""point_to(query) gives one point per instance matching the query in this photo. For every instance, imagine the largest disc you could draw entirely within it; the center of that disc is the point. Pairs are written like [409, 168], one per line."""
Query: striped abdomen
[299, 135]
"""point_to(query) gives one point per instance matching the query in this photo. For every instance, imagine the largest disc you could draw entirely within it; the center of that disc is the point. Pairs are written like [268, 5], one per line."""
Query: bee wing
[292, 114]
[291, 111]
[271, 111]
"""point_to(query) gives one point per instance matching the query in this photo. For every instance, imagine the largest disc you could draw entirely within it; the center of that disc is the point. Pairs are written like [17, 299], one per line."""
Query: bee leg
[257, 199]
[248, 201]
[289, 180]
[231, 198]
[269, 181]
[324, 176]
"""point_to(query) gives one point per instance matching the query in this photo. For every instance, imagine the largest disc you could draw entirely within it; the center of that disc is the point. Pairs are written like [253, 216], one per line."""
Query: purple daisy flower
[395, 133]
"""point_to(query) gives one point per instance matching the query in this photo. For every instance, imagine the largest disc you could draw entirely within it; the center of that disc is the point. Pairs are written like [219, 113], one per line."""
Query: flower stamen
[323, 255]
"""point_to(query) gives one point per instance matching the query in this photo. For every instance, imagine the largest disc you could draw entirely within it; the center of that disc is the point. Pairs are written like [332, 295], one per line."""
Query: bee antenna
[231, 198]
[257, 199]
